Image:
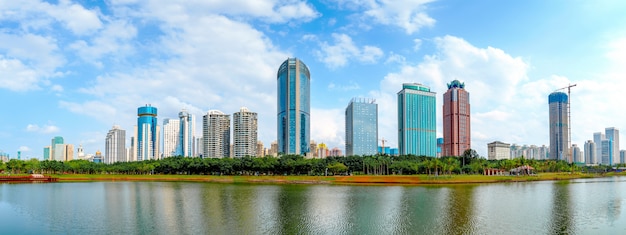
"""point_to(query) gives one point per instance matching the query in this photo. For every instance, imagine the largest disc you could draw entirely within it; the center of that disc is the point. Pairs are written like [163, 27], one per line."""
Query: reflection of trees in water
[460, 210]
[561, 209]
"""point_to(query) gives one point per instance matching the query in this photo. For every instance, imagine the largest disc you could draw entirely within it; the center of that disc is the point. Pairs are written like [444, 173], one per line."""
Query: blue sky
[76, 68]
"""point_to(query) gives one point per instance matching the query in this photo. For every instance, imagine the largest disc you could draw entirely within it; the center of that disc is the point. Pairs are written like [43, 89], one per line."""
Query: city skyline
[77, 74]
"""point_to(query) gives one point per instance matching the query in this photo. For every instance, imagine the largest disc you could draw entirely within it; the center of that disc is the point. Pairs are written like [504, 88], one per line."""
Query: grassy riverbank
[357, 179]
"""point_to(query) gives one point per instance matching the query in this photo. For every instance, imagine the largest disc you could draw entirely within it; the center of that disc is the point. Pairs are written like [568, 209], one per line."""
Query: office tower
[361, 127]
[622, 156]
[439, 147]
[68, 153]
[612, 133]
[597, 139]
[417, 126]
[293, 117]
[498, 150]
[46, 153]
[558, 109]
[132, 156]
[590, 152]
[245, 133]
[55, 148]
[577, 154]
[147, 133]
[456, 120]
[216, 128]
[606, 156]
[115, 145]
[186, 134]
[171, 132]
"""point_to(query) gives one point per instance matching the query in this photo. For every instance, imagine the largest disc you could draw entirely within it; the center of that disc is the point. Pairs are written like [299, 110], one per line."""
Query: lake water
[584, 206]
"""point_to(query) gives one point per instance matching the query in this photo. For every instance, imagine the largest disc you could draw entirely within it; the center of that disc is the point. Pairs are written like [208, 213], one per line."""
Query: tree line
[468, 163]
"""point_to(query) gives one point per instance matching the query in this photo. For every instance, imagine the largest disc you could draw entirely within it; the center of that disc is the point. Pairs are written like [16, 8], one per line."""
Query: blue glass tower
[417, 125]
[559, 146]
[361, 127]
[294, 120]
[147, 133]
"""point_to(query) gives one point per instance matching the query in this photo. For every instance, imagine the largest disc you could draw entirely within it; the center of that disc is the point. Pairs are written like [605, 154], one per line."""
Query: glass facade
[293, 119]
[147, 133]
[185, 134]
[361, 127]
[558, 126]
[417, 124]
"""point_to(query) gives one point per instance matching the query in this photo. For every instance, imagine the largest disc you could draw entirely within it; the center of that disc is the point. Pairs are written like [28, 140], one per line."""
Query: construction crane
[383, 140]
[569, 121]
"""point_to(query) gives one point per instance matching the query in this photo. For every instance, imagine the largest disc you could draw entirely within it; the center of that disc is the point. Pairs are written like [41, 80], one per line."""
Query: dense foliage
[469, 163]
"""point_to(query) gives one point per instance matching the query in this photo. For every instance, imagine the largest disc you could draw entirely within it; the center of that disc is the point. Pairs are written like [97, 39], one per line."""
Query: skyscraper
[590, 152]
[216, 128]
[115, 145]
[245, 133]
[559, 149]
[56, 148]
[147, 133]
[293, 119]
[186, 134]
[171, 132]
[612, 133]
[577, 154]
[361, 127]
[456, 120]
[598, 137]
[417, 124]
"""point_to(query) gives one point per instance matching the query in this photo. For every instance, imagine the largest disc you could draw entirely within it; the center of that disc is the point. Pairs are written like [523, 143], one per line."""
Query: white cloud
[16, 76]
[409, 15]
[418, 44]
[328, 126]
[273, 11]
[344, 49]
[40, 15]
[45, 129]
[350, 86]
[113, 41]
[23, 149]
[212, 62]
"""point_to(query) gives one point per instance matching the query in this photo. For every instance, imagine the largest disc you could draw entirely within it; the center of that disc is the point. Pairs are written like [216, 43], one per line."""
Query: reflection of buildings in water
[371, 210]
[561, 209]
[264, 198]
[292, 201]
[460, 208]
[326, 209]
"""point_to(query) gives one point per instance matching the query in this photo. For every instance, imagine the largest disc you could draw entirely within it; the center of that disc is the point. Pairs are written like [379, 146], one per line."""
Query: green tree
[337, 167]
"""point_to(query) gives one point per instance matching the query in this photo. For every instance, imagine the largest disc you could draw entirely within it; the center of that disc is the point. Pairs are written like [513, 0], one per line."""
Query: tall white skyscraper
[577, 154]
[612, 133]
[597, 139]
[186, 134]
[590, 152]
[245, 133]
[216, 134]
[171, 131]
[115, 146]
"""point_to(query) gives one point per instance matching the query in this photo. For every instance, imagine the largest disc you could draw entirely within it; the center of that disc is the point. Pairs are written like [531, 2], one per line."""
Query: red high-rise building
[456, 120]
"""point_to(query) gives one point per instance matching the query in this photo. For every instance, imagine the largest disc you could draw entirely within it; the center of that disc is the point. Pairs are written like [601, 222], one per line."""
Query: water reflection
[561, 210]
[584, 206]
[459, 217]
